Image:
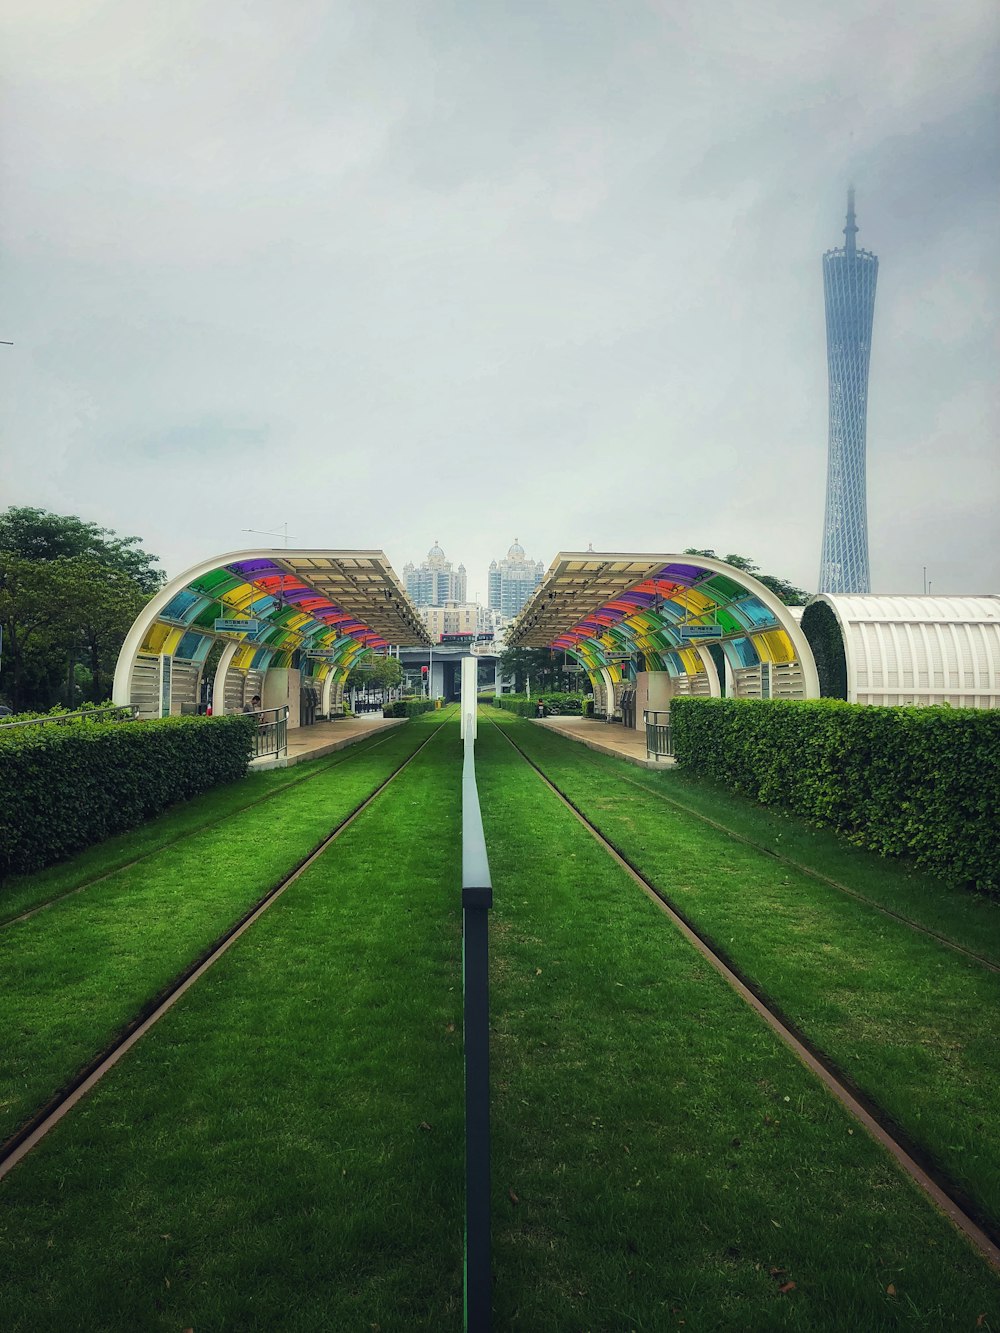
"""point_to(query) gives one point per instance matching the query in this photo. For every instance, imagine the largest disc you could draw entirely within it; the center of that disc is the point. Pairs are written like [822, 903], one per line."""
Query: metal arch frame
[645, 569]
[150, 616]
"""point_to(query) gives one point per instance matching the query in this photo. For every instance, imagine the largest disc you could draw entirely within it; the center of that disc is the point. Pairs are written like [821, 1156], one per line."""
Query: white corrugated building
[875, 649]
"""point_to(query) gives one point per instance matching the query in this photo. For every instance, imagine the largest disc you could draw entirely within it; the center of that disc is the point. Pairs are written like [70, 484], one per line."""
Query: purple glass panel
[682, 573]
[248, 568]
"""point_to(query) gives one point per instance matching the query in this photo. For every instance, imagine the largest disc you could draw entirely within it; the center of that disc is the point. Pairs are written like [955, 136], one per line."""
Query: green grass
[22, 893]
[660, 1159]
[284, 1149]
[76, 974]
[971, 920]
[913, 1024]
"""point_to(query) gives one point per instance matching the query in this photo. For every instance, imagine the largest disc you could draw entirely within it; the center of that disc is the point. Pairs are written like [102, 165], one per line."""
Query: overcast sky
[398, 271]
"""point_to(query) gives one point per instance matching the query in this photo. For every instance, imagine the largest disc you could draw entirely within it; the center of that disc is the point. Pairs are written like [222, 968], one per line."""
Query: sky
[392, 272]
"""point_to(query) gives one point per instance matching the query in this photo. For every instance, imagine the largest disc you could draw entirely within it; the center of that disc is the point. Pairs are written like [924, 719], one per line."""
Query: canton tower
[849, 277]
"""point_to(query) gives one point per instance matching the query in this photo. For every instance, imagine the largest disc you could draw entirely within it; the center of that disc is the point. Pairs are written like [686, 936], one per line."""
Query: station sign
[689, 632]
[251, 627]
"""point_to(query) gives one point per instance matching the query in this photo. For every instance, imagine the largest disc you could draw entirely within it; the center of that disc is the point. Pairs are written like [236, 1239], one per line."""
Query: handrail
[659, 736]
[272, 731]
[477, 899]
[120, 713]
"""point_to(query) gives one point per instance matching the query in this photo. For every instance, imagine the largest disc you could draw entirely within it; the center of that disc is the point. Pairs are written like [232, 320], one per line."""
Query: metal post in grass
[477, 899]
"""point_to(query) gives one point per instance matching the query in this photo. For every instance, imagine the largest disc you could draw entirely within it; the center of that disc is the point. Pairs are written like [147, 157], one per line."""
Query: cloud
[395, 272]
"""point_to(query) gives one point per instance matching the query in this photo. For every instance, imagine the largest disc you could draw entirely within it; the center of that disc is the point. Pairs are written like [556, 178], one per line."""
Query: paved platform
[605, 737]
[326, 737]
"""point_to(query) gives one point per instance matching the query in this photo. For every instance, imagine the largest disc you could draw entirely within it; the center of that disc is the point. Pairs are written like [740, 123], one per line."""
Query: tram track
[803, 869]
[35, 1128]
[917, 1163]
[353, 752]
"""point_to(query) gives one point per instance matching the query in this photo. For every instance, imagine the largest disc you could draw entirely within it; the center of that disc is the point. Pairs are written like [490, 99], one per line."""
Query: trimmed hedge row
[407, 707]
[63, 788]
[555, 704]
[917, 782]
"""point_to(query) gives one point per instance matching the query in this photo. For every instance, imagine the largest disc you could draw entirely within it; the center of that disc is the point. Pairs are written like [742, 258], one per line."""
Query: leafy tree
[36, 614]
[546, 669]
[69, 591]
[36, 534]
[370, 672]
[788, 593]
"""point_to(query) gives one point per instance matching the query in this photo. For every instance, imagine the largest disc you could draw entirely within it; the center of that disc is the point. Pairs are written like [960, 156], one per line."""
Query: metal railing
[477, 899]
[113, 713]
[272, 732]
[659, 740]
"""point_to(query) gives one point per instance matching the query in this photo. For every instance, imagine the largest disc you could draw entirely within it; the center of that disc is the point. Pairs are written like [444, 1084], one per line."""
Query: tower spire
[851, 230]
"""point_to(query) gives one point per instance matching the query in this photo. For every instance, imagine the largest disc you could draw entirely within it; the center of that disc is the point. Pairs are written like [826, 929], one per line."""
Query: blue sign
[699, 631]
[251, 627]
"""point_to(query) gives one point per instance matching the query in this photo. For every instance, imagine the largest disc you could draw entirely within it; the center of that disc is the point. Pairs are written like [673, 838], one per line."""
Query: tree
[542, 666]
[788, 593]
[69, 591]
[37, 535]
[370, 672]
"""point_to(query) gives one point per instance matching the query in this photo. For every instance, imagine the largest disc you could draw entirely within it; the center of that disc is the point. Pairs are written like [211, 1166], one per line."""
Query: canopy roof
[602, 606]
[333, 603]
[301, 598]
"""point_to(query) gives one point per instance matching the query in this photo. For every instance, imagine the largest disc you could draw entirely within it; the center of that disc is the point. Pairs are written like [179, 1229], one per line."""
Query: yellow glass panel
[775, 646]
[155, 639]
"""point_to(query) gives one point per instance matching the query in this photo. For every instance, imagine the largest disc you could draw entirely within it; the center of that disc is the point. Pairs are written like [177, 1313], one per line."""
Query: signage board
[251, 627]
[699, 631]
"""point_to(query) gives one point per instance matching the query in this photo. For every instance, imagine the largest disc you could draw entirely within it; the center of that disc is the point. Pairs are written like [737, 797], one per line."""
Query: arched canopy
[907, 649]
[690, 616]
[320, 609]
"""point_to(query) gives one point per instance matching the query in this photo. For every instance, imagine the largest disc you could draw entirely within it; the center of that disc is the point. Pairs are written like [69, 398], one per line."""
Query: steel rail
[817, 875]
[352, 753]
[33, 1130]
[948, 1198]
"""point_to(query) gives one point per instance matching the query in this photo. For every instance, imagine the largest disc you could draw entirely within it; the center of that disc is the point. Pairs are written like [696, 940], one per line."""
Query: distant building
[849, 277]
[436, 581]
[458, 618]
[512, 581]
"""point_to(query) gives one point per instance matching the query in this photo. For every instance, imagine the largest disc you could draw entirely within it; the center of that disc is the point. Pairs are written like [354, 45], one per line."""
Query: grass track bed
[24, 893]
[670, 1160]
[258, 1161]
[910, 1022]
[76, 974]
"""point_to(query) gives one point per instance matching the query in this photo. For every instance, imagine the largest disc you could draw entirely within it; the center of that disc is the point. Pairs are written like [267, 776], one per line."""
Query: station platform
[605, 737]
[326, 737]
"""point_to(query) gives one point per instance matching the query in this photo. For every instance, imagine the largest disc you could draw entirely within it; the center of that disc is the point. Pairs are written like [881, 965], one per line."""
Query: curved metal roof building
[699, 620]
[315, 611]
[874, 649]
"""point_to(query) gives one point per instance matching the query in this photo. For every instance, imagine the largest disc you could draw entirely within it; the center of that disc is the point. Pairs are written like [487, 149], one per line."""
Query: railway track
[32, 1131]
[817, 875]
[352, 753]
[909, 1157]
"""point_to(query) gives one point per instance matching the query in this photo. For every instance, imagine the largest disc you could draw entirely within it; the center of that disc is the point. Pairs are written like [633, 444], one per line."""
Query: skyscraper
[849, 277]
[436, 581]
[513, 580]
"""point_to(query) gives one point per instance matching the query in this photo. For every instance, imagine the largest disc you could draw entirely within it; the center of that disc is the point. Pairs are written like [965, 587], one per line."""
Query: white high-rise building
[512, 581]
[436, 581]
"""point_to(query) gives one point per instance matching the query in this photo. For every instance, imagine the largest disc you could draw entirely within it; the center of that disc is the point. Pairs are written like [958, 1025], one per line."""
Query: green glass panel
[724, 587]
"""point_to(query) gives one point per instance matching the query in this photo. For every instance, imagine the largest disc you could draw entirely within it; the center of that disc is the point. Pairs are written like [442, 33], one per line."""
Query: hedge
[916, 782]
[407, 707]
[65, 787]
[555, 704]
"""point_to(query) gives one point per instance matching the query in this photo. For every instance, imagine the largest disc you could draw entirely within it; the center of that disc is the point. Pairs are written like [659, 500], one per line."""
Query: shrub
[555, 704]
[407, 707]
[918, 782]
[64, 787]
